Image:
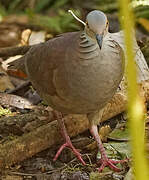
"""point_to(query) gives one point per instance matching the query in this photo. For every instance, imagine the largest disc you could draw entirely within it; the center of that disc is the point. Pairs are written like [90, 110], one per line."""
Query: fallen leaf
[15, 101]
[116, 150]
[144, 22]
[25, 37]
[104, 132]
[37, 37]
[5, 82]
[120, 133]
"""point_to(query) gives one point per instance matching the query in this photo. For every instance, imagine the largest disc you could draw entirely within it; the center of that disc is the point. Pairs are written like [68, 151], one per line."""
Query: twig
[117, 140]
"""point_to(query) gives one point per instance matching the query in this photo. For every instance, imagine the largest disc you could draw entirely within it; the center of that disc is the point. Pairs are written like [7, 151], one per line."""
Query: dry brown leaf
[91, 146]
[144, 22]
[25, 37]
[37, 37]
[15, 101]
[104, 132]
[5, 82]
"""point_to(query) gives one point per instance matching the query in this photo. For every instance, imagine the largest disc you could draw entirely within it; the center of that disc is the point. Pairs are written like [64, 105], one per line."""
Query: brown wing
[43, 59]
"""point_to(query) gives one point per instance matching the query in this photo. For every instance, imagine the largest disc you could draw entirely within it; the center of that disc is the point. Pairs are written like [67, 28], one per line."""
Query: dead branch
[13, 51]
[24, 123]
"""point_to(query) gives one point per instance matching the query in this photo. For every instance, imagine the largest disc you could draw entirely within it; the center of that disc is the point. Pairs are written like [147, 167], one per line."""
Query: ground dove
[78, 72]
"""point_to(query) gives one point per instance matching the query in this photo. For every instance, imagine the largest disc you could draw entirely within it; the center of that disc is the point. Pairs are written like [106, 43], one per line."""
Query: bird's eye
[87, 24]
[107, 23]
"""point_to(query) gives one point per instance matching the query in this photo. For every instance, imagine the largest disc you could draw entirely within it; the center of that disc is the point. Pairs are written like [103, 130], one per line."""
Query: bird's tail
[17, 68]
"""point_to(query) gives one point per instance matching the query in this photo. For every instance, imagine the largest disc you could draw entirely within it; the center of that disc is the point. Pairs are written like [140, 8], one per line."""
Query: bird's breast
[86, 84]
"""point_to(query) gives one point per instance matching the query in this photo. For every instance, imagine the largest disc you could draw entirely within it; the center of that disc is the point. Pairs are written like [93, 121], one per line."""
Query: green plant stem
[135, 103]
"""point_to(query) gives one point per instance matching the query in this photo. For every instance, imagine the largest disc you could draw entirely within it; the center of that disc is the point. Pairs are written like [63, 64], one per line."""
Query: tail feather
[17, 68]
[18, 64]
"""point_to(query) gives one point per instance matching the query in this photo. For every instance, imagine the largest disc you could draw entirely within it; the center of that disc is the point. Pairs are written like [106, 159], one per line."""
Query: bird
[78, 73]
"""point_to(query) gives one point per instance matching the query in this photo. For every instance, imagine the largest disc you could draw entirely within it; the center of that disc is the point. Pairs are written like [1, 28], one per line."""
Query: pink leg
[68, 143]
[104, 159]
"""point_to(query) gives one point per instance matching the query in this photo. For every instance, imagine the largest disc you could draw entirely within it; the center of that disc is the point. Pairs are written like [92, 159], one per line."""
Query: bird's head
[96, 26]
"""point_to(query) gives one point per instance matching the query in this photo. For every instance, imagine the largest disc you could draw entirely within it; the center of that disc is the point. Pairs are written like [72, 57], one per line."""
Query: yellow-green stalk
[136, 112]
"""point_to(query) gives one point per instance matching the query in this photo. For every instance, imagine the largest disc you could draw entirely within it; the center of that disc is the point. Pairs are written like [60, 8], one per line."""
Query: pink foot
[69, 145]
[110, 163]
[104, 161]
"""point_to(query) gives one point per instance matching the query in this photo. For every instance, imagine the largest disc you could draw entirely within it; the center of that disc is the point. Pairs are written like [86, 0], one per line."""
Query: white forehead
[96, 18]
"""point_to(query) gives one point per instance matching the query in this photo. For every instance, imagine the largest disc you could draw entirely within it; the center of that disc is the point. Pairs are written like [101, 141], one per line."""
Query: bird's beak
[99, 38]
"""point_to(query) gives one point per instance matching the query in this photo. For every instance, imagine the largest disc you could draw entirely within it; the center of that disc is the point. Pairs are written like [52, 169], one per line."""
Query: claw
[69, 145]
[104, 161]
[110, 163]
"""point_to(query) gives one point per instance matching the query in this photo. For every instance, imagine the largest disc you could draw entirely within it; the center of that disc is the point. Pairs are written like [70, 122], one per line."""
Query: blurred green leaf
[120, 133]
[49, 4]
[30, 13]
[144, 22]
[62, 22]
[2, 10]
[107, 5]
[41, 5]
[13, 5]
[142, 11]
[59, 3]
[117, 150]
[52, 23]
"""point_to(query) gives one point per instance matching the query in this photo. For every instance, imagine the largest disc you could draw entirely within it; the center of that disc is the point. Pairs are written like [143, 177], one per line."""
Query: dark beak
[99, 38]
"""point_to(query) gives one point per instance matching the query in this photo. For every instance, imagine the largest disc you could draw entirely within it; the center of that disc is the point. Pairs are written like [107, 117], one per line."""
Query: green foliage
[49, 4]
[37, 6]
[41, 5]
[2, 10]
[59, 23]
[13, 5]
[59, 4]
[142, 11]
[4, 112]
[107, 5]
